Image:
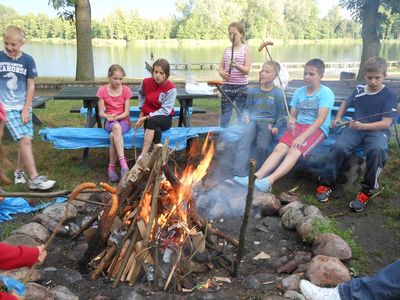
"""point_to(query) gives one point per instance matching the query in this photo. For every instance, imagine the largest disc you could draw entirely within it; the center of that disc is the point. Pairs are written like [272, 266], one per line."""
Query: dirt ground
[373, 232]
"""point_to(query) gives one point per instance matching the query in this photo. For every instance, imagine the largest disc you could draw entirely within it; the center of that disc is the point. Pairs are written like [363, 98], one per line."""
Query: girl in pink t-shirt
[114, 106]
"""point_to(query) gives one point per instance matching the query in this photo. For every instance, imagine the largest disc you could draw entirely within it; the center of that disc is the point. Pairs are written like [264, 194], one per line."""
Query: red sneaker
[322, 193]
[360, 202]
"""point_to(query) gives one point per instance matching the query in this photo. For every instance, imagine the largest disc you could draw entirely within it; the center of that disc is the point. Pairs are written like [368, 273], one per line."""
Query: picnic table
[90, 100]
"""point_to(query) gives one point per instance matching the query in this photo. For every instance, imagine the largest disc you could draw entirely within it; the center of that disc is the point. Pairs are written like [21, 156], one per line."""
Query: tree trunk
[369, 33]
[84, 54]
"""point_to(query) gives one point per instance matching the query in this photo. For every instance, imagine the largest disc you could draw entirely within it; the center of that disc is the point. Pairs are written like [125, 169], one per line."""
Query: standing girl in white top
[234, 70]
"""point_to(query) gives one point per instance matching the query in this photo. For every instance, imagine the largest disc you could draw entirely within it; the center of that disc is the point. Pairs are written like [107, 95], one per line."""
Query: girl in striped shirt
[234, 70]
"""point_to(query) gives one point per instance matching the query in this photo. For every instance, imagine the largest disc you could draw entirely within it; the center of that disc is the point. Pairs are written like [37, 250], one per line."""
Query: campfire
[151, 229]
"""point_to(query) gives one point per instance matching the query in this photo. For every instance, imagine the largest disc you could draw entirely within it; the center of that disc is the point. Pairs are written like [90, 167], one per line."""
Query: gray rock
[251, 282]
[293, 295]
[77, 252]
[61, 292]
[21, 239]
[57, 211]
[34, 291]
[295, 205]
[327, 271]
[35, 230]
[271, 205]
[128, 293]
[312, 210]
[291, 282]
[22, 274]
[306, 229]
[286, 198]
[291, 218]
[330, 244]
[63, 276]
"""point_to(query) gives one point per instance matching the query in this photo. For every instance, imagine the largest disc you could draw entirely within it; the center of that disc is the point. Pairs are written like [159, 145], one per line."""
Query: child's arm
[385, 123]
[30, 91]
[221, 70]
[322, 114]
[12, 257]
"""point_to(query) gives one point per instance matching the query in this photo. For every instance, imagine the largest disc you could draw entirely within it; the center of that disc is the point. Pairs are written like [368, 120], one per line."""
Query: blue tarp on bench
[79, 138]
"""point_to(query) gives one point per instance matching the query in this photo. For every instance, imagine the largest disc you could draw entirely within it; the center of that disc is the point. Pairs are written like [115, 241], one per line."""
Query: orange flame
[173, 205]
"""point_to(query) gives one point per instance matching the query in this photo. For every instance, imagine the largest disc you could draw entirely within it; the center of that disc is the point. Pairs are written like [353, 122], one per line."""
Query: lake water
[59, 60]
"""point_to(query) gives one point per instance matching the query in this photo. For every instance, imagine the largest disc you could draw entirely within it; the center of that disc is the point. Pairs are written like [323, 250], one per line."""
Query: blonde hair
[274, 64]
[14, 31]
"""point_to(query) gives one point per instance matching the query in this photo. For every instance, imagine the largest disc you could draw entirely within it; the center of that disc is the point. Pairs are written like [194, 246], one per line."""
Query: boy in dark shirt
[375, 106]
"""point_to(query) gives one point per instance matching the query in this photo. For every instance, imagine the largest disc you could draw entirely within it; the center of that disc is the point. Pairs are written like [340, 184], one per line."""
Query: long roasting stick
[232, 50]
[265, 45]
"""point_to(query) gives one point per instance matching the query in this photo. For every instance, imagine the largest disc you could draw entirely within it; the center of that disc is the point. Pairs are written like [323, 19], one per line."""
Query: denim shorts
[15, 126]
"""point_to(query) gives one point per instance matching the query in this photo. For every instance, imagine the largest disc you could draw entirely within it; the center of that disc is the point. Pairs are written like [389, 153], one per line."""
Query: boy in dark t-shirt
[375, 107]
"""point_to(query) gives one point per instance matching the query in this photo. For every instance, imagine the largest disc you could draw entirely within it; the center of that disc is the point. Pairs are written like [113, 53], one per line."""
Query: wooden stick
[126, 258]
[46, 194]
[156, 174]
[173, 269]
[246, 215]
[105, 262]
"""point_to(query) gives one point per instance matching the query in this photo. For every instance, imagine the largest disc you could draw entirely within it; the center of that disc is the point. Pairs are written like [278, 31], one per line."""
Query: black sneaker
[360, 202]
[322, 193]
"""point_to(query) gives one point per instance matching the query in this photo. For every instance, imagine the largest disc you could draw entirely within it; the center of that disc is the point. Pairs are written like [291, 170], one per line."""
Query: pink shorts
[313, 141]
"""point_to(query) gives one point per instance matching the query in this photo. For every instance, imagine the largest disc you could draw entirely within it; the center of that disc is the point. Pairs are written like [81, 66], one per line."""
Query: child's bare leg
[118, 140]
[287, 164]
[148, 140]
[113, 152]
[273, 160]
[25, 157]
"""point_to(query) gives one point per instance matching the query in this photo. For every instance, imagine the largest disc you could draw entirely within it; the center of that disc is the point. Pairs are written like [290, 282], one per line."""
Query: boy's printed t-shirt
[14, 74]
[266, 106]
[367, 104]
[307, 106]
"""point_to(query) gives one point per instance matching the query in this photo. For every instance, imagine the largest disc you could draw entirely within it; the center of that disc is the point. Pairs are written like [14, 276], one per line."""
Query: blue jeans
[384, 285]
[254, 133]
[373, 142]
[238, 95]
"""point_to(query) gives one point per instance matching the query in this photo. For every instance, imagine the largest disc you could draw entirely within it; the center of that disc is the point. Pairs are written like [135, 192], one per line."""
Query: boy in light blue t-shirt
[308, 127]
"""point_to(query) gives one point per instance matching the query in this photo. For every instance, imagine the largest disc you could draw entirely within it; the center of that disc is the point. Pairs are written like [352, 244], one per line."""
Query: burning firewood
[161, 229]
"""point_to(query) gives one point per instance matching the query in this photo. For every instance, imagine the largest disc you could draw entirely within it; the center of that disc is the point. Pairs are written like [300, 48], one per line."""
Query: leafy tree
[82, 17]
[371, 18]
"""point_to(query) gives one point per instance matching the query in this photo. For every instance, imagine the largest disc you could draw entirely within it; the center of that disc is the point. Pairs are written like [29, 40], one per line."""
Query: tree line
[208, 20]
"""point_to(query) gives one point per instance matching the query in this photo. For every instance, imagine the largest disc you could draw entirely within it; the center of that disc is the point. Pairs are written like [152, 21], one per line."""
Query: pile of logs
[131, 242]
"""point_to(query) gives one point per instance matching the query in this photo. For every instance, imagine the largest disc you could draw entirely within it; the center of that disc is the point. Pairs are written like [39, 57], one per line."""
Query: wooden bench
[39, 102]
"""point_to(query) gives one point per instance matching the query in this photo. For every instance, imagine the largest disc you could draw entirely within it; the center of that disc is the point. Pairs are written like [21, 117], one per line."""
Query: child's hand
[140, 121]
[274, 131]
[25, 115]
[335, 123]
[356, 125]
[298, 142]
[245, 119]
[42, 254]
[111, 117]
[224, 75]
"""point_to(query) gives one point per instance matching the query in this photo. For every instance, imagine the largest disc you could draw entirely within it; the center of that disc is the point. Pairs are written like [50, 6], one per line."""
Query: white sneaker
[20, 177]
[313, 292]
[41, 183]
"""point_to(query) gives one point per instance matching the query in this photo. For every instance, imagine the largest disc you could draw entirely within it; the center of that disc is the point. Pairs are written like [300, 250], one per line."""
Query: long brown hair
[164, 64]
